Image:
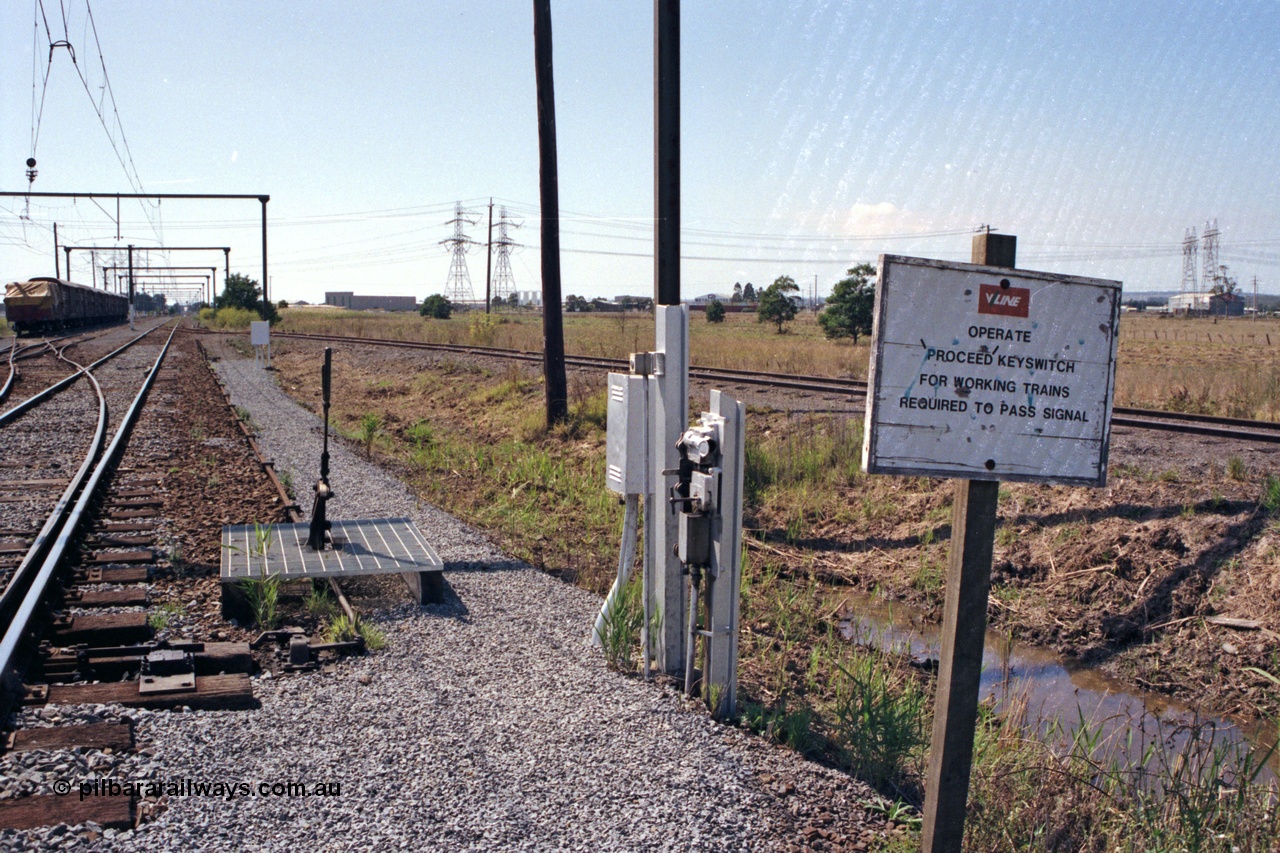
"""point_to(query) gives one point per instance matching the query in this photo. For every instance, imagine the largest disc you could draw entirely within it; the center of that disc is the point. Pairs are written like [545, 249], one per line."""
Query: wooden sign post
[983, 374]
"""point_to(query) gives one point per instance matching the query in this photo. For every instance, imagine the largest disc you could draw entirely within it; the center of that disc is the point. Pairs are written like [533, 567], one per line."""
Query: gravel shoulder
[485, 724]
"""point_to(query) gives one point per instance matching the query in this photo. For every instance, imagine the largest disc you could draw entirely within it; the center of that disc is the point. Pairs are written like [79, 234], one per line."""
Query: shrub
[436, 307]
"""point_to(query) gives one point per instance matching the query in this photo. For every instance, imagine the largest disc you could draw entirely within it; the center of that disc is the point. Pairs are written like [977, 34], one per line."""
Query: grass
[1231, 367]
[263, 595]
[162, 617]
[486, 456]
[620, 638]
[342, 629]
[1078, 793]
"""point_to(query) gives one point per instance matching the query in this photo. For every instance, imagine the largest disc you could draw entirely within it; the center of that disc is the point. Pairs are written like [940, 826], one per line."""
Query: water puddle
[1054, 689]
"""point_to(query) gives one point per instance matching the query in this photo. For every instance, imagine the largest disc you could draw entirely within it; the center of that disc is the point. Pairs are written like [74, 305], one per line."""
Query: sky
[815, 136]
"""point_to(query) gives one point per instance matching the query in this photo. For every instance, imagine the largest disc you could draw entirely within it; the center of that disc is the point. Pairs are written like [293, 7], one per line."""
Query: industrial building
[1207, 304]
[359, 302]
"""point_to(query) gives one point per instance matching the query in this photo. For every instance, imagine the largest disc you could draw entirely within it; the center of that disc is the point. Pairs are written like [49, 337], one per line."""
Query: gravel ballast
[486, 723]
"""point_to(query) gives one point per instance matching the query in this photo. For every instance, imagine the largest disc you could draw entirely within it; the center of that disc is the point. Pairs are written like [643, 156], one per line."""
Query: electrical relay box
[626, 468]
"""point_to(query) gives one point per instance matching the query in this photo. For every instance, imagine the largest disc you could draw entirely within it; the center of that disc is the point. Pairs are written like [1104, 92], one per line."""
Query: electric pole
[488, 261]
[557, 381]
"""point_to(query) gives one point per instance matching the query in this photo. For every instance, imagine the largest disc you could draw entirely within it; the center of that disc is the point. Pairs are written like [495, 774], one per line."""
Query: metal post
[488, 260]
[67, 249]
[670, 395]
[964, 624]
[130, 285]
[265, 298]
[670, 401]
[666, 146]
[549, 199]
[57, 271]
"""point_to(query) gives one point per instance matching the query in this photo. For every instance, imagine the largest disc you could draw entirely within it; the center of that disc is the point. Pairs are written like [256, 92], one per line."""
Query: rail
[32, 590]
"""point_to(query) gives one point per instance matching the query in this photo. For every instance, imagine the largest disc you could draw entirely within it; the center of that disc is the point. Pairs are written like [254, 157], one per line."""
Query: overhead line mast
[504, 281]
[457, 287]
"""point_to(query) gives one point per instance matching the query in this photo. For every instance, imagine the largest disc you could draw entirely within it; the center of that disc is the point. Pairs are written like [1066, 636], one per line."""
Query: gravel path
[485, 724]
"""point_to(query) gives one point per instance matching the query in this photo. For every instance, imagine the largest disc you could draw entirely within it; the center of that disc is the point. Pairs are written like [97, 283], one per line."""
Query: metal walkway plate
[369, 547]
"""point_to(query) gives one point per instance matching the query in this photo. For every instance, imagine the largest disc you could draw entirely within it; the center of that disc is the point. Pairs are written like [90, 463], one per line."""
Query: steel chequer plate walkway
[367, 547]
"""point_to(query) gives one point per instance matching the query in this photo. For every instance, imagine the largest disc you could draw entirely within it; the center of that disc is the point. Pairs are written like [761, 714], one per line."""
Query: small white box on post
[260, 338]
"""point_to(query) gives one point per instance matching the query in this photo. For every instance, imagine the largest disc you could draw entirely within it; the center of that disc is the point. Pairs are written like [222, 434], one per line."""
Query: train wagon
[48, 304]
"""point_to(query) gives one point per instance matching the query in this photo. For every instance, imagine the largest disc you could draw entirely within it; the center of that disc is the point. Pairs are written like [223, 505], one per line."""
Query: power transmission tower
[1211, 275]
[504, 282]
[458, 286]
[1190, 246]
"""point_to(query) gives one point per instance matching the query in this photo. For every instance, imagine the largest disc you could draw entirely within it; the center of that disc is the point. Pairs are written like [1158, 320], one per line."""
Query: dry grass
[739, 342]
[1231, 367]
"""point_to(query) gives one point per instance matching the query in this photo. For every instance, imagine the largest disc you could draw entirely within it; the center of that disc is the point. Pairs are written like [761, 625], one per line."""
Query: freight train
[47, 304]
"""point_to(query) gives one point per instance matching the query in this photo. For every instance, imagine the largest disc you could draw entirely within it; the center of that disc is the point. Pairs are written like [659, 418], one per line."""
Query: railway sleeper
[113, 663]
[112, 574]
[135, 596]
[100, 629]
[222, 692]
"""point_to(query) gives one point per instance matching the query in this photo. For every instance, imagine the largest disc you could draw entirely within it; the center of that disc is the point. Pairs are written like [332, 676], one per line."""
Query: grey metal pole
[57, 271]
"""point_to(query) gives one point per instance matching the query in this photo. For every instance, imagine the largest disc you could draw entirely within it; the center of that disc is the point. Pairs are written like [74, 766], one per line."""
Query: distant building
[359, 302]
[1207, 304]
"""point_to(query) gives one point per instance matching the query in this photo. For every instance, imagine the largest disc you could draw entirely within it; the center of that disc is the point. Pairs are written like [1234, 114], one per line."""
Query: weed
[320, 604]
[370, 429]
[163, 616]
[419, 433]
[342, 629]
[880, 716]
[263, 595]
[286, 482]
[622, 627]
[247, 417]
[1236, 469]
[1271, 493]
[1006, 535]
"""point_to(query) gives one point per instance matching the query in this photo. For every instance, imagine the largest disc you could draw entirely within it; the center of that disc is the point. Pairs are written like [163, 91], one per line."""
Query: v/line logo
[1006, 301]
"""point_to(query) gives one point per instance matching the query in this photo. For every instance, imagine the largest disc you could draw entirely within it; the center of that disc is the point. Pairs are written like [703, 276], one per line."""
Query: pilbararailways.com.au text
[195, 788]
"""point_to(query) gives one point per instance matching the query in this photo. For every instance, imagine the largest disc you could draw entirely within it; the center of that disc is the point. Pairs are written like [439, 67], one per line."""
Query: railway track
[73, 610]
[1122, 416]
[121, 607]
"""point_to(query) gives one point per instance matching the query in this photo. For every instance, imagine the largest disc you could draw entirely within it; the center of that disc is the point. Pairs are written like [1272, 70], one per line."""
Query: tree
[282, 304]
[1224, 285]
[715, 311]
[240, 291]
[436, 307]
[850, 305]
[737, 292]
[749, 293]
[776, 304]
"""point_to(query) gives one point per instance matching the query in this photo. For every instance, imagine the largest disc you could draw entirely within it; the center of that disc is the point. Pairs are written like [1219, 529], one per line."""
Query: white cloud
[881, 218]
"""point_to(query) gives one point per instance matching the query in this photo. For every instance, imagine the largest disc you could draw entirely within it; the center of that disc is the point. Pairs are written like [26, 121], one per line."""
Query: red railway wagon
[48, 304]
